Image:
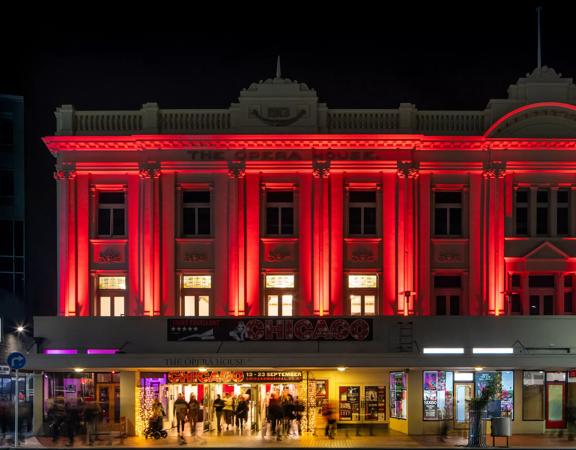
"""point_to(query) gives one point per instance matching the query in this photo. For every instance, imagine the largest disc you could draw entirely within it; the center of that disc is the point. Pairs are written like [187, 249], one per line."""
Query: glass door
[555, 404]
[463, 393]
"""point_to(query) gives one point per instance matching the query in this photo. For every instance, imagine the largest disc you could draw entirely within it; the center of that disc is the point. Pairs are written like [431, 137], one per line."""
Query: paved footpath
[388, 440]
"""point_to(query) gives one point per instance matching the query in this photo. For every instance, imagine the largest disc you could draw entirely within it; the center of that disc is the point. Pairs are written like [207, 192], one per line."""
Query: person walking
[228, 410]
[276, 414]
[219, 410]
[193, 414]
[72, 419]
[91, 416]
[242, 412]
[180, 411]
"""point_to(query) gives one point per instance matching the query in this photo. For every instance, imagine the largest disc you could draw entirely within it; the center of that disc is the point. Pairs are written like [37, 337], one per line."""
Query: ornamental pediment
[546, 250]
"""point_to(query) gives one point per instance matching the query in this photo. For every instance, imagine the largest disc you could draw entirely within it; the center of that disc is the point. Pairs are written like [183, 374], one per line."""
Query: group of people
[69, 418]
[284, 414]
[186, 411]
[234, 409]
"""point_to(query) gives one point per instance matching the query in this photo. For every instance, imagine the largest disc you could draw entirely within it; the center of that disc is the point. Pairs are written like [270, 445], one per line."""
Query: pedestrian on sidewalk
[193, 414]
[180, 411]
[219, 410]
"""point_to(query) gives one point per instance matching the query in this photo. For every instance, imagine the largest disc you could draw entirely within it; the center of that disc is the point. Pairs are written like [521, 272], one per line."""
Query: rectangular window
[280, 213]
[196, 213]
[438, 395]
[503, 403]
[362, 294]
[522, 212]
[11, 256]
[362, 215]
[533, 395]
[111, 214]
[398, 397]
[541, 281]
[6, 187]
[562, 214]
[448, 294]
[568, 303]
[195, 295]
[279, 295]
[111, 296]
[542, 212]
[448, 213]
[516, 304]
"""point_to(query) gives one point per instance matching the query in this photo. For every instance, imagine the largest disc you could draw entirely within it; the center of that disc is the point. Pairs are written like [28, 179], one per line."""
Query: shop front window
[398, 397]
[503, 403]
[438, 395]
[533, 395]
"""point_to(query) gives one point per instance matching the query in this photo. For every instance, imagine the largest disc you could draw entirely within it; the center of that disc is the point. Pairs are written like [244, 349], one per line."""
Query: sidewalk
[389, 440]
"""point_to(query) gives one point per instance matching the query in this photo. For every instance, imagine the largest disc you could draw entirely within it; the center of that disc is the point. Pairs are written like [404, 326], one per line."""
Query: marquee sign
[234, 376]
[266, 329]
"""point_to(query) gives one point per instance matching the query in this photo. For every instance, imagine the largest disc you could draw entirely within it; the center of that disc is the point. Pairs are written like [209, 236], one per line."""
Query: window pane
[516, 304]
[542, 220]
[455, 222]
[568, 280]
[515, 280]
[18, 264]
[521, 220]
[362, 281]
[104, 222]
[105, 306]
[287, 221]
[521, 196]
[203, 220]
[189, 221]
[441, 305]
[279, 281]
[197, 281]
[441, 221]
[111, 198]
[355, 305]
[542, 196]
[111, 282]
[279, 196]
[541, 281]
[533, 395]
[272, 305]
[7, 281]
[362, 197]
[563, 196]
[454, 305]
[6, 237]
[369, 220]
[196, 196]
[6, 183]
[272, 220]
[534, 305]
[355, 220]
[18, 238]
[6, 264]
[447, 281]
[448, 197]
[287, 305]
[562, 221]
[568, 302]
[189, 309]
[203, 305]
[119, 223]
[369, 304]
[118, 306]
[19, 284]
[548, 305]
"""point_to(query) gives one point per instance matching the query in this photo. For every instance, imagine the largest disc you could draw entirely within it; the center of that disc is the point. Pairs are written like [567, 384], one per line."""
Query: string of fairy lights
[145, 399]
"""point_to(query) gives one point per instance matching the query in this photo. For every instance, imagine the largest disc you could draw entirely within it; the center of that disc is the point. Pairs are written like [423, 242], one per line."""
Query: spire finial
[278, 71]
[538, 11]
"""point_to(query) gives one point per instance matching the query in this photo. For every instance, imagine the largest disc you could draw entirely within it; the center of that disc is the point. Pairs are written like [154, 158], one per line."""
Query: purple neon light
[60, 351]
[101, 351]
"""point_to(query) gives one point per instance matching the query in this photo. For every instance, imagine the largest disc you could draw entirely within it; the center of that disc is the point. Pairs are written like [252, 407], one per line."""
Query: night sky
[437, 59]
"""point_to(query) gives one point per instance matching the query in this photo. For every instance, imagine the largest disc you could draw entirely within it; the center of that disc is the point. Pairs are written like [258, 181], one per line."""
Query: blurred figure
[4, 417]
[56, 416]
[193, 413]
[91, 416]
[241, 412]
[219, 410]
[228, 410]
[331, 425]
[180, 411]
[276, 415]
[72, 420]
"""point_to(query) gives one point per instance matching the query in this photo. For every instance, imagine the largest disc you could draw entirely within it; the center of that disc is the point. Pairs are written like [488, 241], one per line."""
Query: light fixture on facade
[78, 369]
[493, 350]
[443, 350]
[20, 329]
[478, 369]
[463, 376]
[202, 369]
[341, 369]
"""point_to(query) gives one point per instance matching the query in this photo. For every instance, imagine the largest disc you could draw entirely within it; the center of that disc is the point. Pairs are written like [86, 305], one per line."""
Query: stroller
[154, 429]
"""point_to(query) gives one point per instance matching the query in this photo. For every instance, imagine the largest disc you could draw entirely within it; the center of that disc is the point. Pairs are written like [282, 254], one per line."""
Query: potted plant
[477, 407]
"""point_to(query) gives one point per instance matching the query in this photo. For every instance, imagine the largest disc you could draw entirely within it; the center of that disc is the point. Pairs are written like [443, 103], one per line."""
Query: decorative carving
[150, 169]
[65, 171]
[191, 257]
[278, 254]
[109, 255]
[494, 169]
[363, 254]
[449, 257]
[408, 169]
[320, 169]
[277, 122]
[236, 169]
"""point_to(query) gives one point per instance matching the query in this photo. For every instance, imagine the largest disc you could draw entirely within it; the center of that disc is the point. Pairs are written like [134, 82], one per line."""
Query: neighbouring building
[385, 261]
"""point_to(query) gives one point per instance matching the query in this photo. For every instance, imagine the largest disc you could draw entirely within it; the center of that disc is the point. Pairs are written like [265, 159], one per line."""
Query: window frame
[112, 293]
[543, 396]
[363, 206]
[462, 190]
[196, 292]
[265, 204]
[194, 187]
[110, 207]
[280, 292]
[449, 292]
[362, 292]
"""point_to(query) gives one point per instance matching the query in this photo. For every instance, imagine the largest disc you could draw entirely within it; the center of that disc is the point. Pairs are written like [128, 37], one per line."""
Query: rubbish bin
[501, 427]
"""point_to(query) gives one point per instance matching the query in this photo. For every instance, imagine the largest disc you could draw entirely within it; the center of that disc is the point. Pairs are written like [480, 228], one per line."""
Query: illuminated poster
[375, 403]
[438, 394]
[321, 394]
[398, 386]
[349, 403]
[503, 404]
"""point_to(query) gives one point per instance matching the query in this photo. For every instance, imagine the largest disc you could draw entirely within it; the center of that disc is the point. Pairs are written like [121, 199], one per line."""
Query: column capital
[236, 169]
[320, 169]
[65, 171]
[494, 169]
[149, 169]
[408, 169]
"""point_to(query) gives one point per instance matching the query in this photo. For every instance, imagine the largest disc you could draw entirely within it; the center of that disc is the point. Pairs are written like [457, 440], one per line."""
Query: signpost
[16, 361]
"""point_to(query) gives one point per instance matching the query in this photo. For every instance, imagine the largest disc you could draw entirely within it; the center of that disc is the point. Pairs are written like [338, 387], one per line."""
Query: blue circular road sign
[16, 360]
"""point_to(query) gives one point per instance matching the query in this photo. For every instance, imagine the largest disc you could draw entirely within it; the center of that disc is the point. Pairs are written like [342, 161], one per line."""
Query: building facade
[263, 246]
